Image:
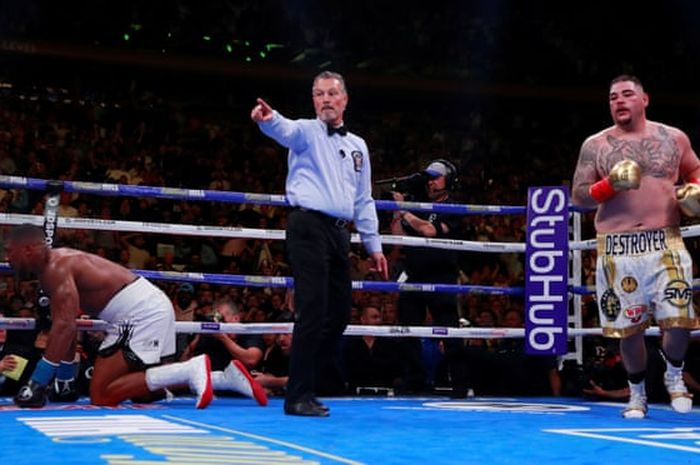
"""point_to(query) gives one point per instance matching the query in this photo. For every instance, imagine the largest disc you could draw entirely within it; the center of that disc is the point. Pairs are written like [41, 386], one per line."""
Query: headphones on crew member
[451, 173]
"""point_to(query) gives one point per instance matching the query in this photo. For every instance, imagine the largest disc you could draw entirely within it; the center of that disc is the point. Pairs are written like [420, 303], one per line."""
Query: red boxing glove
[602, 191]
[624, 175]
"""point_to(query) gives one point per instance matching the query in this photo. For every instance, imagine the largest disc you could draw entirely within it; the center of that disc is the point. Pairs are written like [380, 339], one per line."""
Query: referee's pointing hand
[261, 112]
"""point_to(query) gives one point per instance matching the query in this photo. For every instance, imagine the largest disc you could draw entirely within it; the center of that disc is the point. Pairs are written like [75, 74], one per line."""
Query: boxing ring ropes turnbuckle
[50, 218]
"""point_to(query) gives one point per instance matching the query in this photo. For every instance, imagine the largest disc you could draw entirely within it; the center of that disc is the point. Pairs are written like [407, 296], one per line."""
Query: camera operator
[430, 265]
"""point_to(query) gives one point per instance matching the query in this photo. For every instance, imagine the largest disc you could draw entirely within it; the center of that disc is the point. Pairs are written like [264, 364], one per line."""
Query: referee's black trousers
[318, 250]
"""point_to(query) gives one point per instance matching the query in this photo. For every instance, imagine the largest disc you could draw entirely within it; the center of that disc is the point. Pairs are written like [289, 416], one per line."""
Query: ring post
[546, 271]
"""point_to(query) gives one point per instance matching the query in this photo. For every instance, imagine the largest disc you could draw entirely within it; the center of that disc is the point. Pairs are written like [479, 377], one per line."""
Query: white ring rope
[205, 327]
[277, 234]
[249, 233]
[273, 234]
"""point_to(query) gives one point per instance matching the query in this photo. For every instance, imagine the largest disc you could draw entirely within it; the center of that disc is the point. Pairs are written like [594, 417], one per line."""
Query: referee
[328, 185]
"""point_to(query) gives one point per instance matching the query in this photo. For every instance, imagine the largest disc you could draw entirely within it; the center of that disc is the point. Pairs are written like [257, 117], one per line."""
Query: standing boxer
[628, 171]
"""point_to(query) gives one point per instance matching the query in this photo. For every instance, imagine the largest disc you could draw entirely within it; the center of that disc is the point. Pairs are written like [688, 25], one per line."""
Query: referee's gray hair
[331, 75]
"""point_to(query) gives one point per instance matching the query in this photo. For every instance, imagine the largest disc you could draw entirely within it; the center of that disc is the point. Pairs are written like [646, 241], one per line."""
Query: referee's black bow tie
[341, 130]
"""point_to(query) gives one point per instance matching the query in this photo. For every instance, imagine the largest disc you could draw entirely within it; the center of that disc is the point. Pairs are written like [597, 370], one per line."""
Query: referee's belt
[332, 220]
[632, 243]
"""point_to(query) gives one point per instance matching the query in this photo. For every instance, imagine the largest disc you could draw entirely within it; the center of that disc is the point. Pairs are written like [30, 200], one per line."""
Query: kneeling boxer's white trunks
[146, 322]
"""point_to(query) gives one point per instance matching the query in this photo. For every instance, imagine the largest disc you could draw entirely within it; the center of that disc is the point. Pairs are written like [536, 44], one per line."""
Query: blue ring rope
[283, 281]
[14, 182]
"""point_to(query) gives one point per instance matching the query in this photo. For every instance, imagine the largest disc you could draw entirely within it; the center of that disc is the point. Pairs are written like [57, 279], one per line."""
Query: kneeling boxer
[126, 365]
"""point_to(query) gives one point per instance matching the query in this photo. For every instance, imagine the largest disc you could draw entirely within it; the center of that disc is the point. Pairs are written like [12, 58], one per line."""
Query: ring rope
[18, 182]
[262, 281]
[583, 290]
[588, 244]
[276, 234]
[384, 286]
[250, 233]
[283, 281]
[238, 232]
[206, 327]
[280, 200]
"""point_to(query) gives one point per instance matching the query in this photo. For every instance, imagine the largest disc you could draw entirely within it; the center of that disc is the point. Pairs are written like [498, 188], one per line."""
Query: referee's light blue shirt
[330, 174]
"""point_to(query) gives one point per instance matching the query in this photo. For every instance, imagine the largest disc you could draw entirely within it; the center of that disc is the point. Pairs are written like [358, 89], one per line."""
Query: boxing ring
[372, 430]
[359, 431]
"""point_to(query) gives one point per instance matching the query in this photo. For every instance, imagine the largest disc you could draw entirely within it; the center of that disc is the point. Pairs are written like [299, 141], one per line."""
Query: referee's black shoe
[306, 408]
[320, 404]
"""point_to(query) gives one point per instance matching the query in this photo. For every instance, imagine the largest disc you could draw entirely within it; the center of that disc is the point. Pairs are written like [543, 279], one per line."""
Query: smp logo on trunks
[678, 293]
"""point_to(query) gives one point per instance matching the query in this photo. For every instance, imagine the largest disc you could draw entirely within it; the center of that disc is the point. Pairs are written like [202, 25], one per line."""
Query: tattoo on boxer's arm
[585, 174]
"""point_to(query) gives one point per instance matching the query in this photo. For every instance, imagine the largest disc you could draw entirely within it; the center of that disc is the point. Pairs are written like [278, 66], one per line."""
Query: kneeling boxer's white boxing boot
[237, 378]
[195, 372]
[200, 380]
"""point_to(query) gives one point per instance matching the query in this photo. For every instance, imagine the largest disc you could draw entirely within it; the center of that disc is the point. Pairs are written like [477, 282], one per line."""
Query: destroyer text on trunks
[636, 243]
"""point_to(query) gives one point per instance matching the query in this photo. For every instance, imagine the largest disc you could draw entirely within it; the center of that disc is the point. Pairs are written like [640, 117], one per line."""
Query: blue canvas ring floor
[359, 430]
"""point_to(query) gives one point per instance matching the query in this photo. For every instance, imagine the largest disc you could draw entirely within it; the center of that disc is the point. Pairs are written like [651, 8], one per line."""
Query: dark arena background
[141, 110]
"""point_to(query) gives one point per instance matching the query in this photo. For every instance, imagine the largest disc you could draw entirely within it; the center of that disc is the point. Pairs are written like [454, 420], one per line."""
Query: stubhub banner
[546, 270]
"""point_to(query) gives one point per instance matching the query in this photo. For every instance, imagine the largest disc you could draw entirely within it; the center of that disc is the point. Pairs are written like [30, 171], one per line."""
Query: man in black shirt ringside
[431, 265]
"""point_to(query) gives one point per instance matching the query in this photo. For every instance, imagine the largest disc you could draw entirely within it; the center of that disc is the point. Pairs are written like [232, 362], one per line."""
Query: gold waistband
[631, 243]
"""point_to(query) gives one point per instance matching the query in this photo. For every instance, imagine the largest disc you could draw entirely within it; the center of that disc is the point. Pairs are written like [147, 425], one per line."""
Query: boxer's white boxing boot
[196, 373]
[637, 406]
[237, 378]
[681, 400]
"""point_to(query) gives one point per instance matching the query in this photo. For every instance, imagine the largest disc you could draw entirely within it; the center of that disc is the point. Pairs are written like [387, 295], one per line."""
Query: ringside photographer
[430, 265]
